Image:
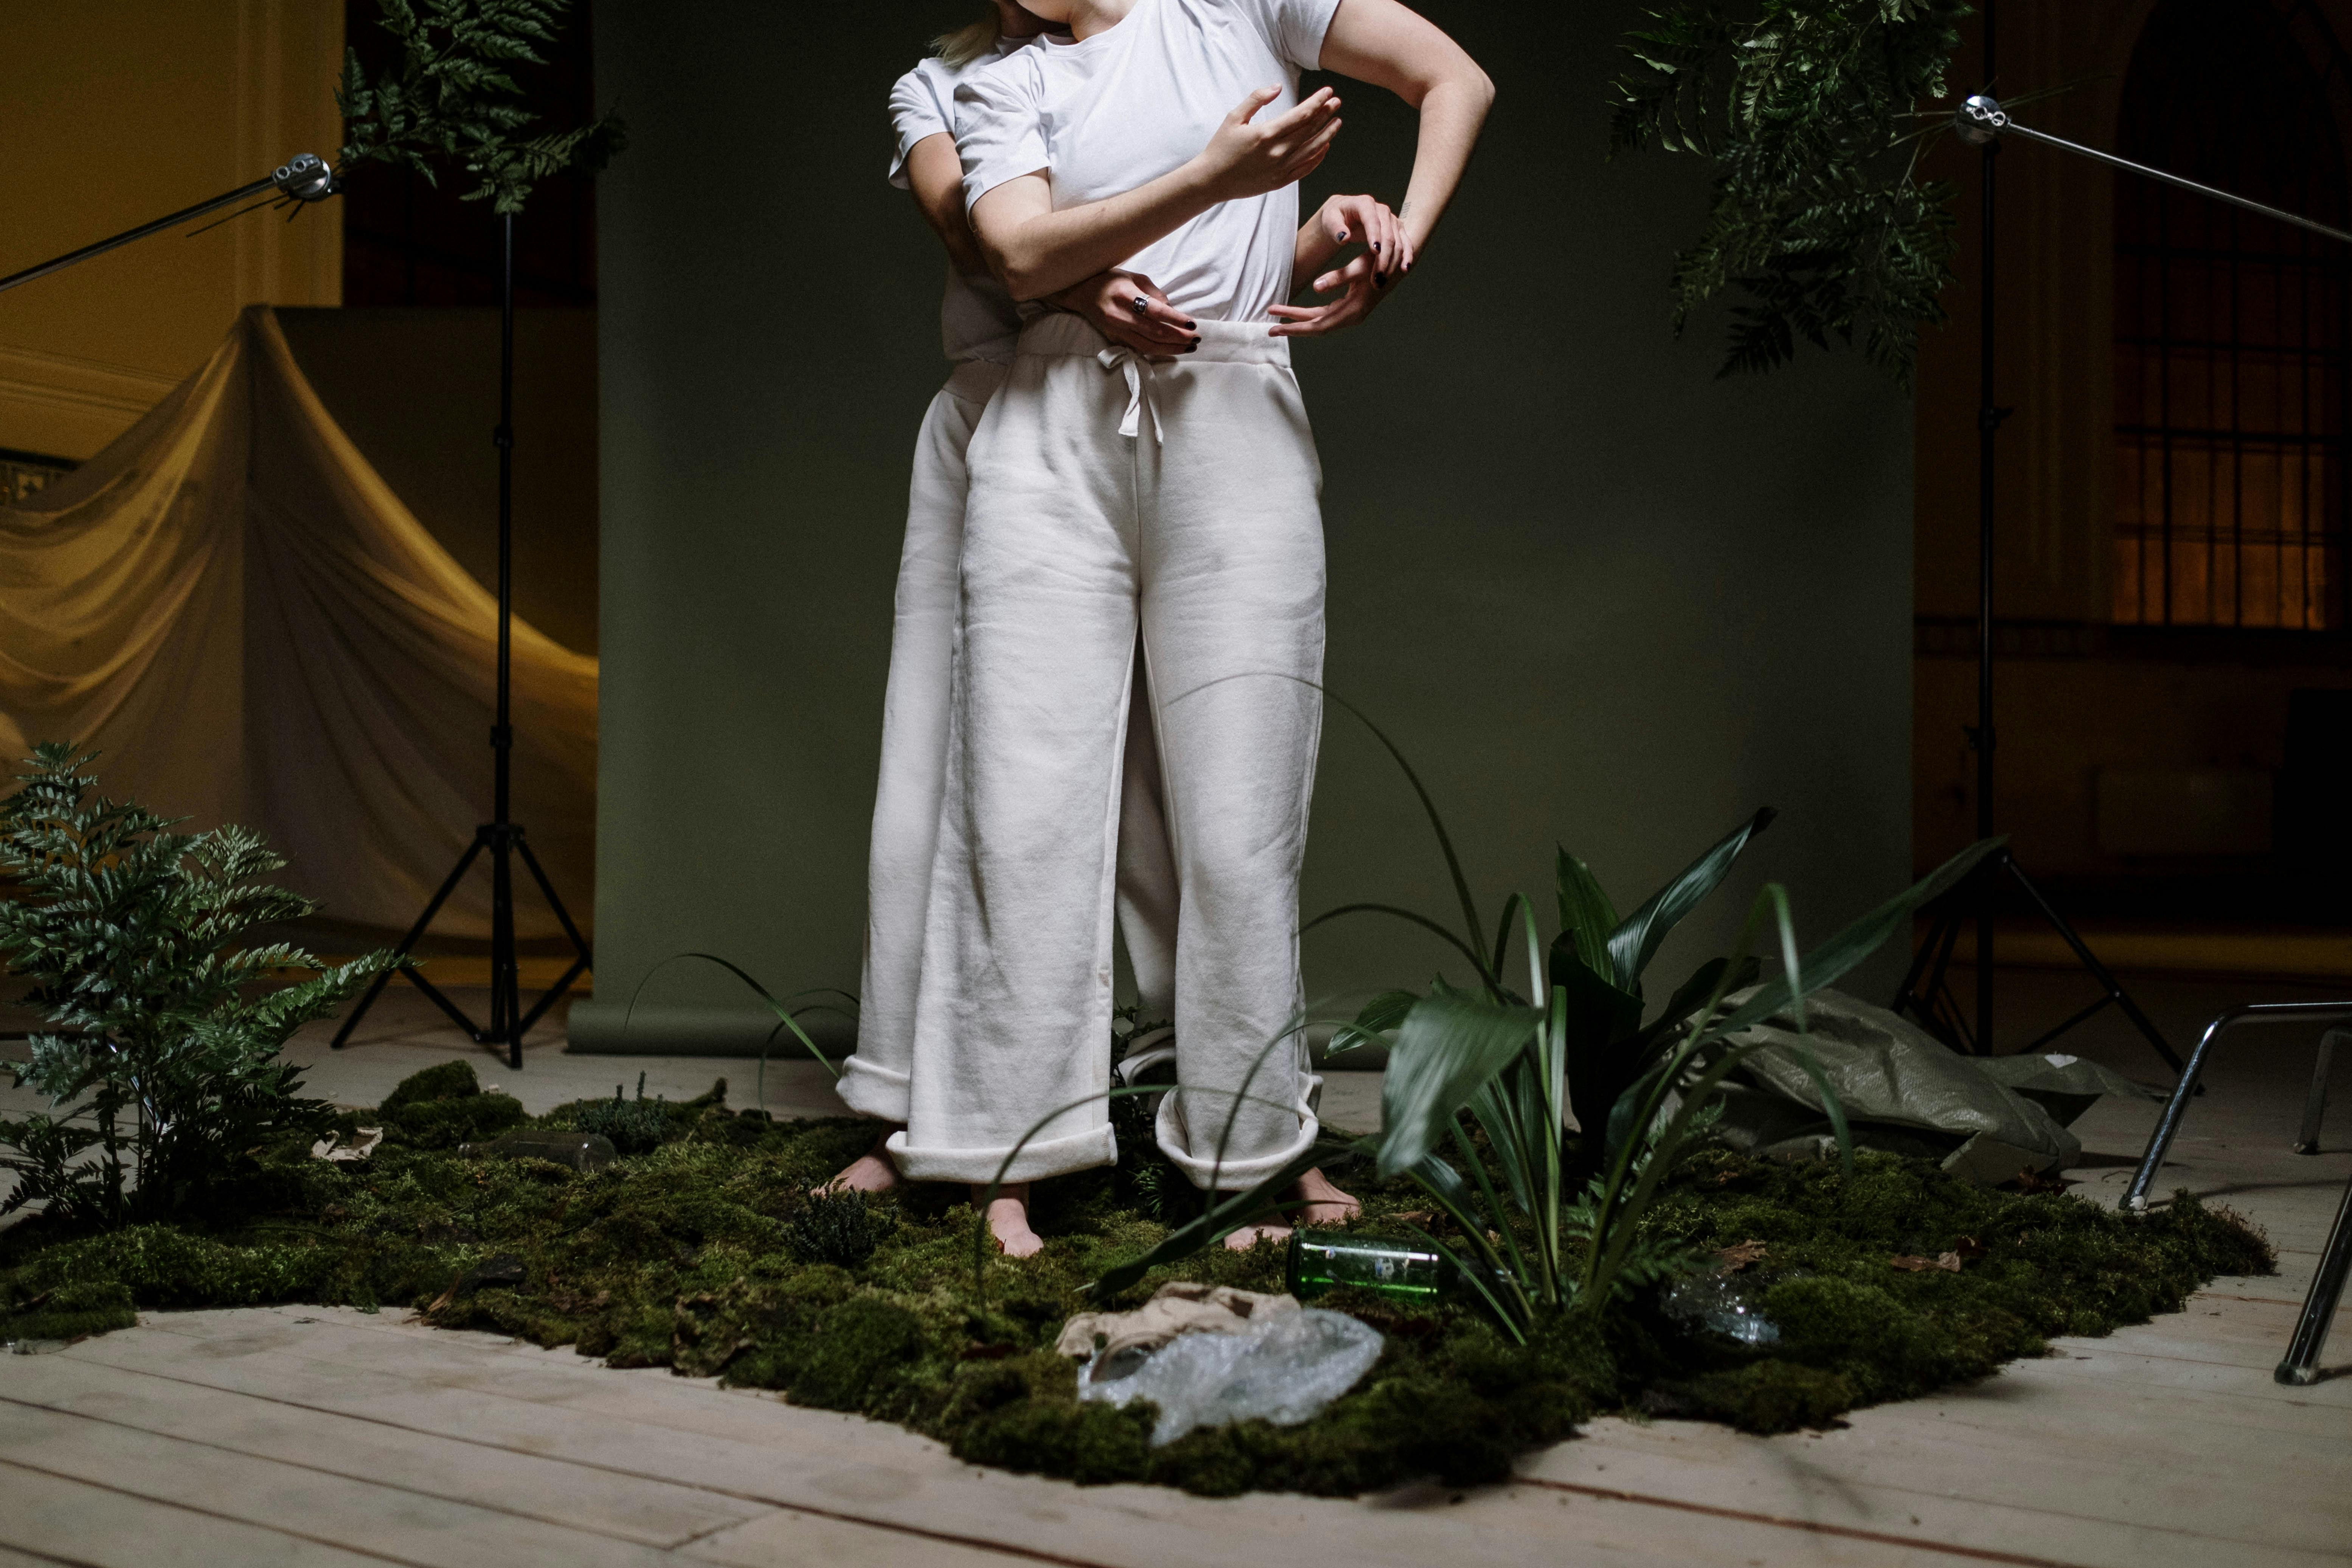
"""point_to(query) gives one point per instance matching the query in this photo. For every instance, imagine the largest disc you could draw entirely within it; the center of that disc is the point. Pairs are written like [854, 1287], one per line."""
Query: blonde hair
[965, 44]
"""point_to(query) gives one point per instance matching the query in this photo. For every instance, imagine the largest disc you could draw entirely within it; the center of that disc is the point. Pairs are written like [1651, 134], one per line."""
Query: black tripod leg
[2301, 1366]
[408, 944]
[554, 994]
[1911, 996]
[505, 1012]
[547, 890]
[2099, 972]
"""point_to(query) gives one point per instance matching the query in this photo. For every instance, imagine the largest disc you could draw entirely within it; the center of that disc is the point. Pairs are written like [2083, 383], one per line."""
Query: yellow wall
[116, 111]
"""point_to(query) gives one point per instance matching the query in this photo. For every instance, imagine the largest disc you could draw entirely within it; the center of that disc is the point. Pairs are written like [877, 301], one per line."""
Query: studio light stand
[1926, 991]
[300, 181]
[501, 836]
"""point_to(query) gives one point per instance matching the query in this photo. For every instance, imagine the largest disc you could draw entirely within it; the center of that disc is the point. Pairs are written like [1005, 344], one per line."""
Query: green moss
[706, 1254]
[445, 1106]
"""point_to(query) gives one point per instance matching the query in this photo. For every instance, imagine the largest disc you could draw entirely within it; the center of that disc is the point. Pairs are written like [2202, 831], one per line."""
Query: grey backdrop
[1600, 596]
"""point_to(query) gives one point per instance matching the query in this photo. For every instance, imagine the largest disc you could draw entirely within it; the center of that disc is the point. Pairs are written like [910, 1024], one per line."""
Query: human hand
[1361, 220]
[1247, 157]
[1364, 280]
[1107, 302]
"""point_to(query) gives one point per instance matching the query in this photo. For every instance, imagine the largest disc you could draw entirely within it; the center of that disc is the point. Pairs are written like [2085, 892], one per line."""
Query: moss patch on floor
[704, 1253]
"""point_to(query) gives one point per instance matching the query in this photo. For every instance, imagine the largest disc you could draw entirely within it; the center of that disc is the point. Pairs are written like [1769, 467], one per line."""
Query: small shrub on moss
[834, 1228]
[706, 1255]
[635, 1127]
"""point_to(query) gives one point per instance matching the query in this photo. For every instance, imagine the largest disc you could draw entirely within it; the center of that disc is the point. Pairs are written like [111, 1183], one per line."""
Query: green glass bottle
[1323, 1260]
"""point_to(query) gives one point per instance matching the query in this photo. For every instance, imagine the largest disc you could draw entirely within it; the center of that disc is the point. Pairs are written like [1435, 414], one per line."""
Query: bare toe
[1321, 1203]
[871, 1171]
[1249, 1235]
[1008, 1222]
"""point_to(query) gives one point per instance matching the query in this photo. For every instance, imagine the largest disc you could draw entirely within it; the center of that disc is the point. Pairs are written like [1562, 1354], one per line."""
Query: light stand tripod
[1981, 122]
[501, 836]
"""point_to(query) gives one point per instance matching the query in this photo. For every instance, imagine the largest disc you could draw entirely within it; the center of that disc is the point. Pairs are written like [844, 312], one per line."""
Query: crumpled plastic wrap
[1285, 1368]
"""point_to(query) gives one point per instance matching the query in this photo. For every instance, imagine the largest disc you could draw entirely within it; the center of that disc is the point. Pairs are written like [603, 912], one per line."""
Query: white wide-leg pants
[1116, 504]
[914, 762]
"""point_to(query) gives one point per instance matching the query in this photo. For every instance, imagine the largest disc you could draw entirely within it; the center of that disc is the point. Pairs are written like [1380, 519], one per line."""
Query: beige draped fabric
[231, 604]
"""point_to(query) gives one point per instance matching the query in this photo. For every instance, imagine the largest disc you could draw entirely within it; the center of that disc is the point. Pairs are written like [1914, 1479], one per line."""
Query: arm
[1382, 43]
[1038, 251]
[935, 176]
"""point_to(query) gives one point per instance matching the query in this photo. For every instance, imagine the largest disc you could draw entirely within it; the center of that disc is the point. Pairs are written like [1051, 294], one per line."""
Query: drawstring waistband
[1139, 372]
[1222, 342]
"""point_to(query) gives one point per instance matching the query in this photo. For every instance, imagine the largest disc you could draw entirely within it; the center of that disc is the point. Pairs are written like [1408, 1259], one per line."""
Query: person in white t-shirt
[1126, 505]
[979, 324]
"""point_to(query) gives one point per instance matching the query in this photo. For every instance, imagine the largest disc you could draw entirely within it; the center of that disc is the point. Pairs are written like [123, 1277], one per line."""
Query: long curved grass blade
[1511, 906]
[1510, 1326]
[1219, 1220]
[785, 1017]
[1243, 1096]
[1793, 967]
[1636, 941]
[1437, 823]
[1477, 963]
[1447, 1047]
[1447, 1188]
[1831, 960]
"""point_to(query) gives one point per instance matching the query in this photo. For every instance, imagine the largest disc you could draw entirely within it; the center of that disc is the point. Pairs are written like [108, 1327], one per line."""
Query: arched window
[2231, 349]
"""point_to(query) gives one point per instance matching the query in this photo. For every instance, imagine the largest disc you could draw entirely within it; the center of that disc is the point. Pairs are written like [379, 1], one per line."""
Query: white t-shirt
[978, 320]
[1128, 105]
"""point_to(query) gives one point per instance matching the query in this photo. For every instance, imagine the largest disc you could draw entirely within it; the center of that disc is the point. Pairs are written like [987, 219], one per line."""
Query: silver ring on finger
[1141, 305]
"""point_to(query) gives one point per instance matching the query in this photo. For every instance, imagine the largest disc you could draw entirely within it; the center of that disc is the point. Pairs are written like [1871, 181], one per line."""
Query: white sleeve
[916, 112]
[1294, 27]
[999, 130]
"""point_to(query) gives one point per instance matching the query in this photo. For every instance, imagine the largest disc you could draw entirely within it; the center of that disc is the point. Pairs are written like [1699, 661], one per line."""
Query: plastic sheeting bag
[1285, 1370]
[1907, 1091]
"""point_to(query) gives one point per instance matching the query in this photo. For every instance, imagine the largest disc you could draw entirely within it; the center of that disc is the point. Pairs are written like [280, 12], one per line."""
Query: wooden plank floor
[313, 1436]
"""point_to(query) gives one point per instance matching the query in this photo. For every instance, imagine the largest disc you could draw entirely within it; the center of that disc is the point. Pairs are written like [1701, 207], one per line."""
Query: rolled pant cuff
[874, 1091]
[1231, 1175]
[1036, 1161]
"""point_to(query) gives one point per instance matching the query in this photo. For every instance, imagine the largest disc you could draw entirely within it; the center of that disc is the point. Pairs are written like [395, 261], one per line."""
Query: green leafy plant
[454, 100]
[1809, 111]
[1488, 1073]
[165, 1069]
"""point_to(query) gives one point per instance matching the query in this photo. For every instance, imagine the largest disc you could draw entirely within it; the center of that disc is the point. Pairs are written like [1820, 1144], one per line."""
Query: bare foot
[871, 1171]
[1249, 1235]
[1008, 1219]
[1318, 1201]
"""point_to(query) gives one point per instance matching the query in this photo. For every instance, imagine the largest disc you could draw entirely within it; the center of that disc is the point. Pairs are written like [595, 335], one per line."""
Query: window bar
[2237, 428]
[2311, 430]
[2164, 407]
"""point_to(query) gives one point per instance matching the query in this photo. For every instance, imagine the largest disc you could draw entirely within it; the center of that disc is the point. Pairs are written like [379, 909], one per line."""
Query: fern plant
[163, 1070]
[1809, 109]
[454, 100]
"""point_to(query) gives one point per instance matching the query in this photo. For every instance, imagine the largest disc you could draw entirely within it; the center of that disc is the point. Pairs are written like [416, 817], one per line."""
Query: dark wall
[1600, 596]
